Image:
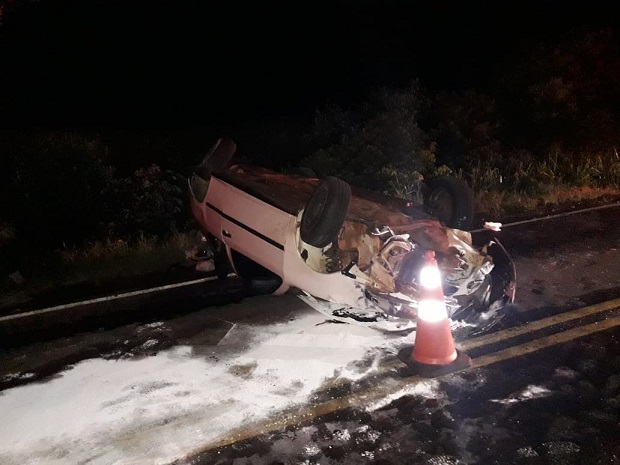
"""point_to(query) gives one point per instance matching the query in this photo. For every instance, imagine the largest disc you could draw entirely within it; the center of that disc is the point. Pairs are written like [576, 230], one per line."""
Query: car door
[249, 225]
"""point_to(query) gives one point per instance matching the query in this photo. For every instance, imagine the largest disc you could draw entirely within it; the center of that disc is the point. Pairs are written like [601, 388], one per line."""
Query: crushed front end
[478, 280]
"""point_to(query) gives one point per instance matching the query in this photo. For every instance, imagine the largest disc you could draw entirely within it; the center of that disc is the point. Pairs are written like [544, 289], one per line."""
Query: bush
[54, 186]
[150, 202]
[385, 133]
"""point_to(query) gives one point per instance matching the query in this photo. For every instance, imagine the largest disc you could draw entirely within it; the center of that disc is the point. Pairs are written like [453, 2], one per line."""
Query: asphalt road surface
[538, 393]
[560, 405]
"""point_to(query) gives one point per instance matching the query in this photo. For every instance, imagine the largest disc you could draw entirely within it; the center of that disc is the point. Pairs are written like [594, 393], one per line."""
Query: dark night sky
[175, 63]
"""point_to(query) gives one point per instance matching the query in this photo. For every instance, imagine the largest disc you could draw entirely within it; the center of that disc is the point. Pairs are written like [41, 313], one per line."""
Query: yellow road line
[510, 333]
[307, 413]
[402, 385]
[544, 342]
[538, 324]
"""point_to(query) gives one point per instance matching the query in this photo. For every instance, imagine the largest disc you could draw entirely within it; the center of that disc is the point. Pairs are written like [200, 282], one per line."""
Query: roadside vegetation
[89, 205]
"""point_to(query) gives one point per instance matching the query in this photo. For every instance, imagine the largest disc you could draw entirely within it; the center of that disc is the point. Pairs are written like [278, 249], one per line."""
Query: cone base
[424, 370]
[434, 344]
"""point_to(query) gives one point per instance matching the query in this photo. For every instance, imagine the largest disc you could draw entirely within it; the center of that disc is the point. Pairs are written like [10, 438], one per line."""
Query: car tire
[451, 201]
[325, 212]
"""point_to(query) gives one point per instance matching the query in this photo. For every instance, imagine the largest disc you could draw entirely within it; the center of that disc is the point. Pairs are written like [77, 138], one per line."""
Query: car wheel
[451, 201]
[259, 279]
[325, 212]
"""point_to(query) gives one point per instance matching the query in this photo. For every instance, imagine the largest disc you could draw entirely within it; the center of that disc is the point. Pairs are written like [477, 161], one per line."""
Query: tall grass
[103, 261]
[499, 204]
[529, 185]
[521, 173]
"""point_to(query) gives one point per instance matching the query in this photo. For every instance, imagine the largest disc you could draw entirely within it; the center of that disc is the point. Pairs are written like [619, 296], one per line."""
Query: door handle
[225, 233]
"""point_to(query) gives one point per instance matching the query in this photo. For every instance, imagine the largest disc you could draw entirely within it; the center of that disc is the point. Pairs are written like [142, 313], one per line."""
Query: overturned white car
[352, 254]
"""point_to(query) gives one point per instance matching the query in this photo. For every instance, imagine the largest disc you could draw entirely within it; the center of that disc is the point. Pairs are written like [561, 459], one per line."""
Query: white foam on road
[156, 409]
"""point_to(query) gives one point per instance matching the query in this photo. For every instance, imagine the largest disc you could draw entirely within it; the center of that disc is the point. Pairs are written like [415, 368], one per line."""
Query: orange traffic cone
[434, 352]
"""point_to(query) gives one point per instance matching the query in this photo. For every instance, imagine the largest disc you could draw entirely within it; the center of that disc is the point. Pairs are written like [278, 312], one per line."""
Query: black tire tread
[331, 216]
[462, 196]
